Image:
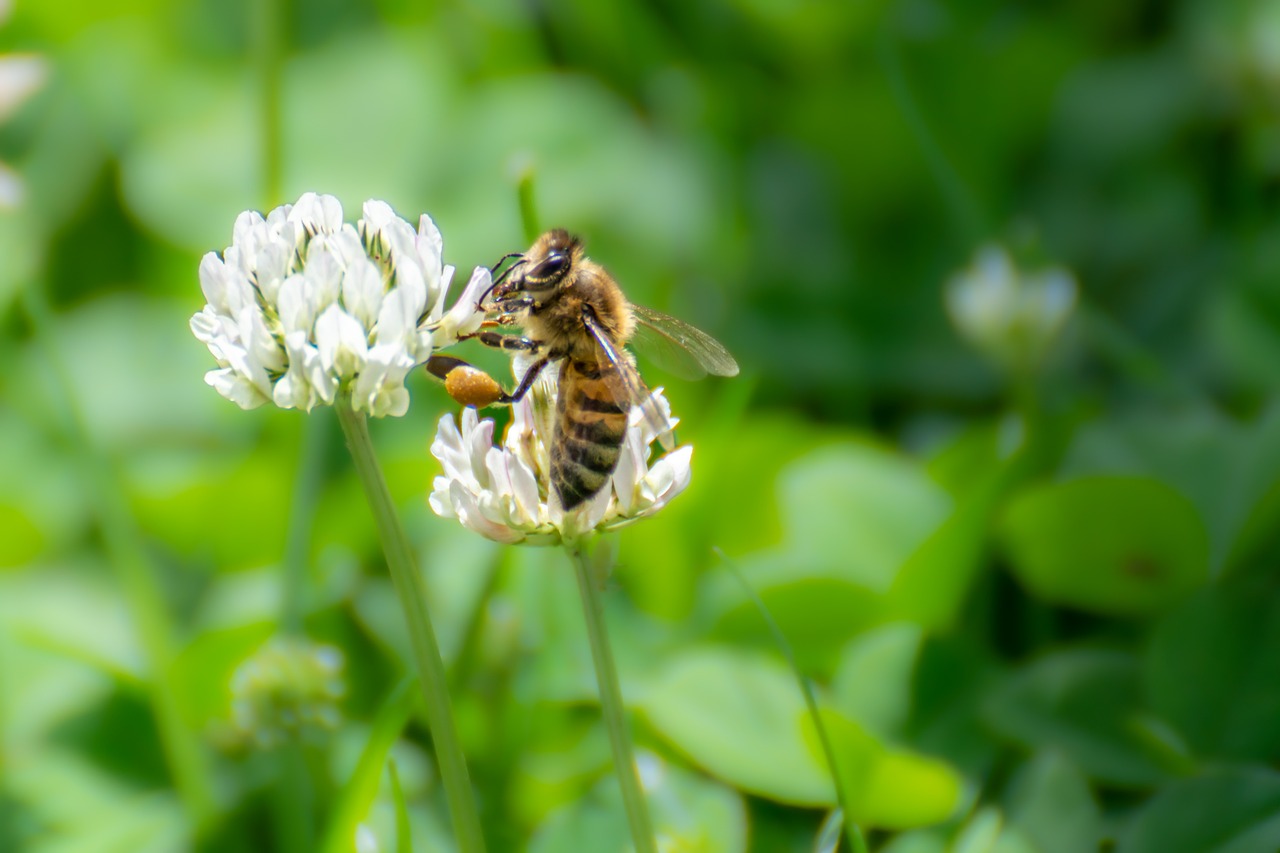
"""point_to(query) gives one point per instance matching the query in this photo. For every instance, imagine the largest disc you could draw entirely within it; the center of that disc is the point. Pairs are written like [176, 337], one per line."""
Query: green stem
[297, 546]
[857, 843]
[137, 575]
[295, 791]
[267, 51]
[412, 594]
[528, 206]
[615, 717]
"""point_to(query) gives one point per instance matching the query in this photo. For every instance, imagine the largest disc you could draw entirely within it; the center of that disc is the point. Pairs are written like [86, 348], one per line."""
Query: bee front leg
[497, 340]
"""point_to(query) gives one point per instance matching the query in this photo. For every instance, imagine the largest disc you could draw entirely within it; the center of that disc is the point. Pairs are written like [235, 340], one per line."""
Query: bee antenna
[505, 257]
[501, 278]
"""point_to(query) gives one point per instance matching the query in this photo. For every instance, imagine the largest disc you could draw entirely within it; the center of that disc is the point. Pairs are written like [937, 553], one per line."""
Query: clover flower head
[504, 492]
[288, 688]
[302, 307]
[1010, 314]
[20, 76]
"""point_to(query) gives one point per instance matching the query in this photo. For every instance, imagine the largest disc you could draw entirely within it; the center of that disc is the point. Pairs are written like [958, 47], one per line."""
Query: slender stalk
[853, 833]
[426, 652]
[294, 797]
[528, 206]
[615, 715]
[137, 575]
[267, 54]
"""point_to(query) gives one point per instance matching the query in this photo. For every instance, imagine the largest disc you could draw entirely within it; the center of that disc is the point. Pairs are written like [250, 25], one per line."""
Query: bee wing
[627, 384]
[679, 348]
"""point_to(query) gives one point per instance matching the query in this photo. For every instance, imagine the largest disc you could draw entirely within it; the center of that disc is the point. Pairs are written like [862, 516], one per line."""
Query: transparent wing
[679, 348]
[627, 384]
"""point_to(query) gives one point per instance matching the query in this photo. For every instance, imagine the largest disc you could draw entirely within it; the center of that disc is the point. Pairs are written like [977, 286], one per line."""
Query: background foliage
[1040, 605]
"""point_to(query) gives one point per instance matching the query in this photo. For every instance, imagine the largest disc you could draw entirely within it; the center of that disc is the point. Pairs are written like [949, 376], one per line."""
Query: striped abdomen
[591, 421]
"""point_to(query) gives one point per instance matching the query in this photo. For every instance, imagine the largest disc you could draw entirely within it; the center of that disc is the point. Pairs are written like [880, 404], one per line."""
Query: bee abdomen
[592, 424]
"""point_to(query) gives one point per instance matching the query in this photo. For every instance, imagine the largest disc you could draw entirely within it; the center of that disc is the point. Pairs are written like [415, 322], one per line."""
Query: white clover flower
[20, 76]
[303, 307]
[1011, 315]
[504, 492]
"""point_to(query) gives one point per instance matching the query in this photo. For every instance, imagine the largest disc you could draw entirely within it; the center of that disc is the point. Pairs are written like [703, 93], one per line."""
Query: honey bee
[570, 311]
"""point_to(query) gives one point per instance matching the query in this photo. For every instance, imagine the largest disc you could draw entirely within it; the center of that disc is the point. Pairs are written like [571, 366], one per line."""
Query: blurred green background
[1037, 595]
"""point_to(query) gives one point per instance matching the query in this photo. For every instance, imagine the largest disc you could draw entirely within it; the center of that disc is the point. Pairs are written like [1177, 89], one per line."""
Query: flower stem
[624, 762]
[412, 595]
[267, 55]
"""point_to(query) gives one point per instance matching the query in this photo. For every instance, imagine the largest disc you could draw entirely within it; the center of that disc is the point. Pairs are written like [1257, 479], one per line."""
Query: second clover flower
[504, 492]
[303, 307]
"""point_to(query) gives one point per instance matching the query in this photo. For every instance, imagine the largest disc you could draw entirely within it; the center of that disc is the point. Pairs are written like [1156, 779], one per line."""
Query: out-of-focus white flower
[1011, 315]
[20, 76]
[287, 688]
[303, 307]
[504, 492]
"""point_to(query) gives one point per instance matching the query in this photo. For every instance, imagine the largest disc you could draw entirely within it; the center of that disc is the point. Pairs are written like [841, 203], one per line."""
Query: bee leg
[465, 383]
[526, 382]
[498, 340]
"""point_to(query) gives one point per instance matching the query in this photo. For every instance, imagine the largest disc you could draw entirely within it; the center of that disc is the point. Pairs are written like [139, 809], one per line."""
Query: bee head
[549, 260]
[543, 269]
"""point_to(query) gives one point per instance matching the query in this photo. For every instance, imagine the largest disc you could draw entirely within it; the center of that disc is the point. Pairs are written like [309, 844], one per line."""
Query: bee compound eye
[554, 265]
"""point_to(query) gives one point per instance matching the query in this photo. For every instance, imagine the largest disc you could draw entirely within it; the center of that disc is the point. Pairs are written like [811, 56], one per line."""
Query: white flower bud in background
[1011, 315]
[303, 307]
[504, 492]
[20, 76]
[287, 689]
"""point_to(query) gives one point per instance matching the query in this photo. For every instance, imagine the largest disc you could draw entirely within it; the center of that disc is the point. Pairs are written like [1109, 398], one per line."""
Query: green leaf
[1114, 545]
[859, 510]
[854, 515]
[361, 789]
[873, 683]
[817, 615]
[1049, 800]
[689, 812]
[1228, 469]
[1212, 669]
[1235, 810]
[740, 717]
[1084, 703]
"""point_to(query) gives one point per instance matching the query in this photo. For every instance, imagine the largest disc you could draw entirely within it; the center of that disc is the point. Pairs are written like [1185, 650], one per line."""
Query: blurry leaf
[91, 811]
[989, 832]
[853, 515]
[887, 788]
[361, 787]
[858, 510]
[95, 735]
[404, 833]
[817, 615]
[138, 372]
[689, 813]
[1116, 545]
[1083, 703]
[204, 669]
[1233, 810]
[229, 513]
[980, 833]
[830, 834]
[1050, 802]
[917, 841]
[1228, 469]
[1212, 669]
[931, 587]
[740, 717]
[953, 677]
[873, 683]
[21, 540]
